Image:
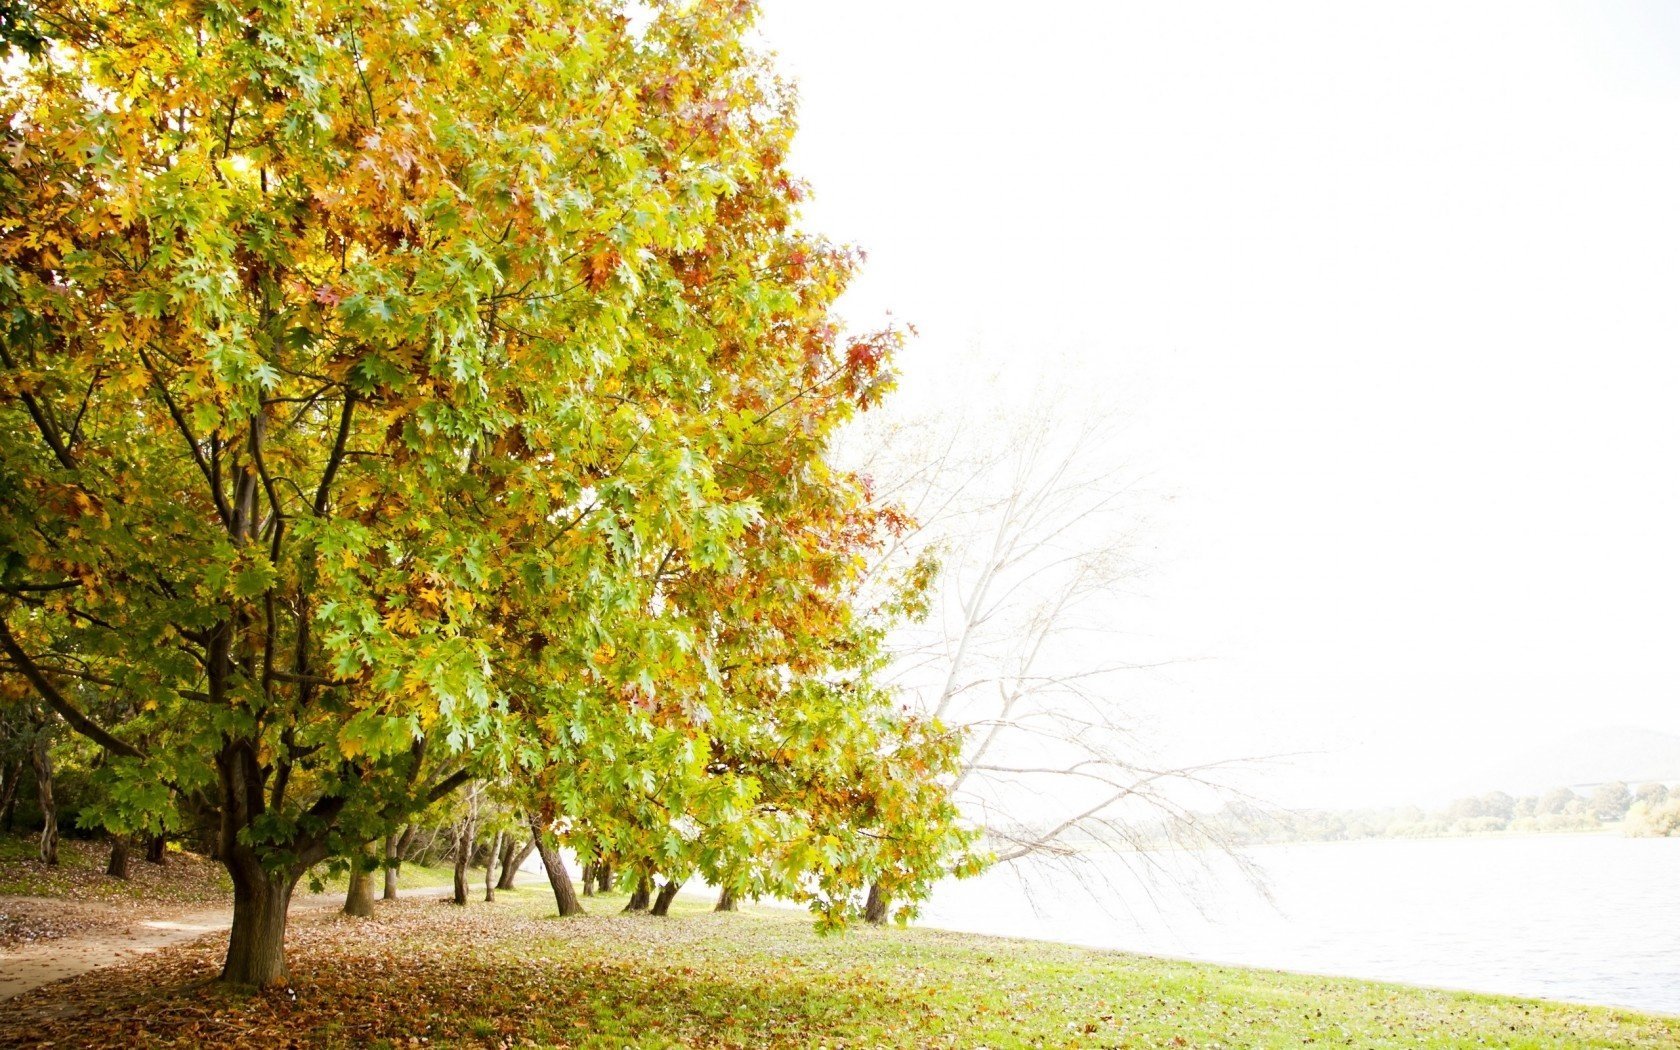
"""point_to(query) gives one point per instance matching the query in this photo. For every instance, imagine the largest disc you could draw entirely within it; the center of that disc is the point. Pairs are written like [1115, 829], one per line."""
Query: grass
[411, 877]
[183, 878]
[510, 974]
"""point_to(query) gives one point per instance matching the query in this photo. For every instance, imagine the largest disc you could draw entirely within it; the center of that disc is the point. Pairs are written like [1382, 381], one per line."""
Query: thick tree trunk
[726, 901]
[118, 866]
[41, 758]
[10, 775]
[393, 860]
[880, 902]
[490, 867]
[256, 954]
[155, 848]
[359, 901]
[667, 894]
[639, 896]
[565, 898]
[512, 864]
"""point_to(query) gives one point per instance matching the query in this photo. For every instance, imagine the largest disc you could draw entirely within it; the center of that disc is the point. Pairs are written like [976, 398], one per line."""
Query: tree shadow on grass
[369, 985]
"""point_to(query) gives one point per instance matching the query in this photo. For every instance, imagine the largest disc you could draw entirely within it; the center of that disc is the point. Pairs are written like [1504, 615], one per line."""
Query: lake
[1585, 918]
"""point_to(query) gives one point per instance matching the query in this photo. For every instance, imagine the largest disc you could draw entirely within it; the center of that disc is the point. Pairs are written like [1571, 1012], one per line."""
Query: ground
[426, 973]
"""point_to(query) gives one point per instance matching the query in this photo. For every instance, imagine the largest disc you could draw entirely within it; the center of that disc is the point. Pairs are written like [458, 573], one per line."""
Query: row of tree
[410, 400]
[1561, 809]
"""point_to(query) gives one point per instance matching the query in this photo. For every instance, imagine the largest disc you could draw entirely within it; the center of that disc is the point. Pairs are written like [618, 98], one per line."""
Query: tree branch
[79, 722]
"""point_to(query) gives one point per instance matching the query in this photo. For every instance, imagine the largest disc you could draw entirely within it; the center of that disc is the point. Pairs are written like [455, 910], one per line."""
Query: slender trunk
[359, 901]
[589, 879]
[10, 774]
[155, 846]
[118, 866]
[667, 894]
[879, 903]
[41, 758]
[510, 867]
[504, 857]
[256, 953]
[490, 867]
[639, 896]
[463, 852]
[726, 901]
[428, 852]
[565, 898]
[393, 859]
[603, 876]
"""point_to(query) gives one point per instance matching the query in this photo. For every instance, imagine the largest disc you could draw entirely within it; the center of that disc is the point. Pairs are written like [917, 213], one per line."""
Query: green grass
[183, 879]
[411, 877]
[510, 973]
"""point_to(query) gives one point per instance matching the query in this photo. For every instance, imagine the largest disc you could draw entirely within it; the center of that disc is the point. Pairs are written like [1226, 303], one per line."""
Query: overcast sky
[1388, 297]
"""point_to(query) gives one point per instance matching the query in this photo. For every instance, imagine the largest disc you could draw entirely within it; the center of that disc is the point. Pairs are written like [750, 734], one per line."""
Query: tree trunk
[667, 894]
[589, 879]
[639, 896]
[726, 901]
[490, 867]
[118, 867]
[10, 774]
[603, 876]
[155, 847]
[463, 851]
[393, 860]
[41, 758]
[256, 954]
[359, 901]
[565, 898]
[504, 856]
[510, 867]
[879, 903]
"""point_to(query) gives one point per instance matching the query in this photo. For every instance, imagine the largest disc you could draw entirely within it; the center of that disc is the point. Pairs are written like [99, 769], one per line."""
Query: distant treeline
[1651, 810]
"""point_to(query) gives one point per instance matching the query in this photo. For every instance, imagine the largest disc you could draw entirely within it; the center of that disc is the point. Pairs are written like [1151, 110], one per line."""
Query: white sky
[1388, 295]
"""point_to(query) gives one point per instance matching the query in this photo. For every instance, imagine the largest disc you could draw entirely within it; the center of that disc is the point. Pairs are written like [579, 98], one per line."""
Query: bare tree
[1032, 528]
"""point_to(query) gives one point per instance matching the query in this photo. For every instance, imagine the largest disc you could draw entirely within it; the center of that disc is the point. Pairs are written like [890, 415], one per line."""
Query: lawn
[424, 972]
[183, 878]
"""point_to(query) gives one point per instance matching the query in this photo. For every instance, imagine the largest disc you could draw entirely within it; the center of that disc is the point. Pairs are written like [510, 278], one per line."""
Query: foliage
[412, 385]
[499, 975]
[1654, 820]
[1558, 810]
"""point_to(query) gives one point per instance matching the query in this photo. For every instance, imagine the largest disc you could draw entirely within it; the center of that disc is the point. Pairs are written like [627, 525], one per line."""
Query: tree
[1610, 802]
[513, 858]
[1557, 801]
[1024, 530]
[1499, 805]
[363, 369]
[1652, 794]
[1654, 819]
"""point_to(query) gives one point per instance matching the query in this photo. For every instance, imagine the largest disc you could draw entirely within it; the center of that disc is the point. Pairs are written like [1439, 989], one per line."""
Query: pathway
[32, 965]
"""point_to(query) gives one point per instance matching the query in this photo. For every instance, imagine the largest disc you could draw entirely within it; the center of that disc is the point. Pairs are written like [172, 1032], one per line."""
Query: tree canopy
[403, 393]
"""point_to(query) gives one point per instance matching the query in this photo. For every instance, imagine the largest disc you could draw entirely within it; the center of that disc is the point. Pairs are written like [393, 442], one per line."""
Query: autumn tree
[363, 368]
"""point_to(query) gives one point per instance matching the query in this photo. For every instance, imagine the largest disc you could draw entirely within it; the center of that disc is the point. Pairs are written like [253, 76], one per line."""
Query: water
[1583, 918]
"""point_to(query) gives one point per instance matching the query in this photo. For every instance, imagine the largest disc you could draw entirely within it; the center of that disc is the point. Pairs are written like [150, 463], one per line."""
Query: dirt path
[145, 928]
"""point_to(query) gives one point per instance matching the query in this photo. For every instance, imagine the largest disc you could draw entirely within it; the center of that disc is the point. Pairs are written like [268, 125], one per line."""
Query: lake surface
[1585, 918]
